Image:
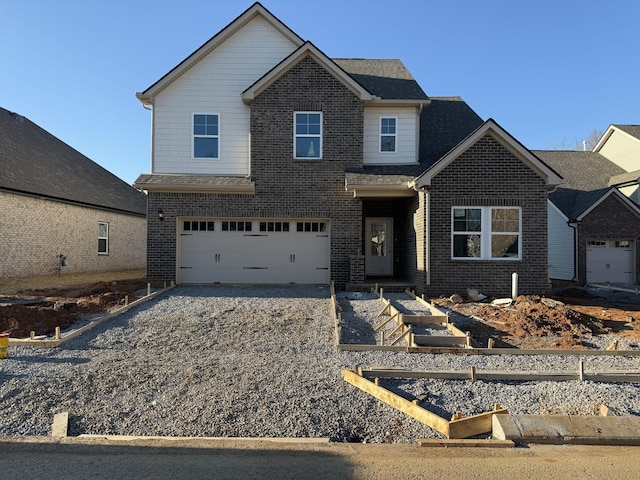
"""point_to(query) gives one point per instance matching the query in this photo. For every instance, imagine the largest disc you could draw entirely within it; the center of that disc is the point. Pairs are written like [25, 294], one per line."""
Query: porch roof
[194, 183]
[375, 185]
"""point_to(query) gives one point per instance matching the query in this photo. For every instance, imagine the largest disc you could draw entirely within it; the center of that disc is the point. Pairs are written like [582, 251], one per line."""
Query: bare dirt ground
[565, 321]
[40, 304]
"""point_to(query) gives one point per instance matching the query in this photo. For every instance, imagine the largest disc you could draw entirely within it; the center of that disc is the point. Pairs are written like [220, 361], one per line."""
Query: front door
[379, 246]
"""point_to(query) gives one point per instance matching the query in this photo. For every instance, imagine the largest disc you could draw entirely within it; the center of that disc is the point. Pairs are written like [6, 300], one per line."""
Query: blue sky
[549, 72]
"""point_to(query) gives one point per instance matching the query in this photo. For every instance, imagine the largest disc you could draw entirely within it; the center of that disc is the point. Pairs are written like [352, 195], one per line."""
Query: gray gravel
[262, 362]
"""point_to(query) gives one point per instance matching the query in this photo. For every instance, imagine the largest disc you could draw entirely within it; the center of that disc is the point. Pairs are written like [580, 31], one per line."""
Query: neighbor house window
[388, 132]
[308, 135]
[206, 136]
[486, 233]
[103, 238]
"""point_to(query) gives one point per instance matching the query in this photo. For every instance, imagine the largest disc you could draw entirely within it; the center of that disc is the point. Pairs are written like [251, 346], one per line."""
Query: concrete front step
[567, 429]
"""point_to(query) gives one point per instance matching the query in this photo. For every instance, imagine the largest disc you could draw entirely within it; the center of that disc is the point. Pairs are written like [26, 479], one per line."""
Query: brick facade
[487, 174]
[34, 231]
[284, 187]
[610, 220]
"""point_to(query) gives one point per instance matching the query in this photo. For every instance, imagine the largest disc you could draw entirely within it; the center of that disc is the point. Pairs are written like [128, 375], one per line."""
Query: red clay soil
[533, 322]
[62, 307]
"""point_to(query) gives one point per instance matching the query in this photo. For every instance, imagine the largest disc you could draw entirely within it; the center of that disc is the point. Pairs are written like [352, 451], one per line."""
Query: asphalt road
[254, 459]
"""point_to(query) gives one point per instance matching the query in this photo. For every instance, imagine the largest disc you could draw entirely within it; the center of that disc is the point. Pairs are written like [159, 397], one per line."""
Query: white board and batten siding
[213, 86]
[406, 140]
[245, 251]
[561, 245]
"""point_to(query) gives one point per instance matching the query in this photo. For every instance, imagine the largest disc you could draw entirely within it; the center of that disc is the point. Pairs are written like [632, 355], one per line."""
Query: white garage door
[253, 251]
[610, 261]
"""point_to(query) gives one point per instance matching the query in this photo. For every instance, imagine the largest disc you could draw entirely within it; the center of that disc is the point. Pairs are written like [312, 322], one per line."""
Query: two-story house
[272, 163]
[594, 218]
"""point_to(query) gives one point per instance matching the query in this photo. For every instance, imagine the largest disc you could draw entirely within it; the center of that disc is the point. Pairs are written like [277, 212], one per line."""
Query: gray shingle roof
[582, 171]
[35, 162]
[625, 178]
[149, 181]
[444, 123]
[587, 176]
[633, 130]
[387, 79]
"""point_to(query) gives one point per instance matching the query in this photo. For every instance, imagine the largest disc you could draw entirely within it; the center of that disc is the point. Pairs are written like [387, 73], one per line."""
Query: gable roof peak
[307, 48]
[257, 9]
[490, 126]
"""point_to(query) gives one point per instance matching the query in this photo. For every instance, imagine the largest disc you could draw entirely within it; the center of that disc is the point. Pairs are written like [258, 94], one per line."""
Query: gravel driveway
[262, 362]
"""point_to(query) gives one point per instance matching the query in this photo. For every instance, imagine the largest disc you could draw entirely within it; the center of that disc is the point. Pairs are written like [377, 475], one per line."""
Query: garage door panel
[295, 251]
[610, 261]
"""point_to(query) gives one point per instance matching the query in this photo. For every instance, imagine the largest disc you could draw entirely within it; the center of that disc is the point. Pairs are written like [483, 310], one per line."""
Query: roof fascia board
[307, 48]
[604, 138]
[393, 103]
[551, 177]
[610, 131]
[146, 97]
[613, 191]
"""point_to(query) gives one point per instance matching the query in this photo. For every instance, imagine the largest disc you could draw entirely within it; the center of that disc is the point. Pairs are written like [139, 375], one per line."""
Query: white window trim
[103, 238]
[193, 136]
[486, 234]
[319, 137]
[380, 134]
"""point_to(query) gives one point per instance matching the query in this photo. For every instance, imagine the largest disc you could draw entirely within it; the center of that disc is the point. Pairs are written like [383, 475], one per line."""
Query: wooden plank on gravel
[424, 319]
[397, 402]
[439, 340]
[60, 424]
[474, 425]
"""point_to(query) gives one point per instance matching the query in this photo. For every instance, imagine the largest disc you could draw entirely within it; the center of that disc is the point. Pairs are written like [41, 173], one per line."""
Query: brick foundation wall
[34, 231]
[488, 174]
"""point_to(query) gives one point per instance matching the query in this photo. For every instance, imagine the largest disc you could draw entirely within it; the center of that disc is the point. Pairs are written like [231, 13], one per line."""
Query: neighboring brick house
[594, 219]
[272, 163]
[55, 203]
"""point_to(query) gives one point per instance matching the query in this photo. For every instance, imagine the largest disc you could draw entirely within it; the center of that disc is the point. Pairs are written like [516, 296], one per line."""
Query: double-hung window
[486, 233]
[308, 135]
[103, 238]
[206, 135]
[388, 133]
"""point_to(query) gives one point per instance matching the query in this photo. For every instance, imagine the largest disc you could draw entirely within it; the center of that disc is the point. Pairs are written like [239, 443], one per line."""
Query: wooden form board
[354, 347]
[424, 319]
[458, 428]
[506, 376]
[59, 340]
[439, 340]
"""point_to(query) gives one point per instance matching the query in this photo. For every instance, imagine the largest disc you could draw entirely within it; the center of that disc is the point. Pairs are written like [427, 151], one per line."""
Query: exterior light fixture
[160, 215]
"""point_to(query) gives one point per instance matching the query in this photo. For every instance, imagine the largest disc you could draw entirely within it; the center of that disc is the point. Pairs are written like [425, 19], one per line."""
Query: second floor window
[206, 137]
[388, 134]
[308, 135]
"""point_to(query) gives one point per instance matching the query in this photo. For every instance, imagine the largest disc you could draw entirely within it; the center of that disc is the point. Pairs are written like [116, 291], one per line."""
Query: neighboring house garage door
[610, 261]
[260, 251]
